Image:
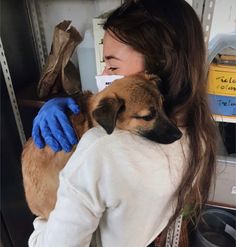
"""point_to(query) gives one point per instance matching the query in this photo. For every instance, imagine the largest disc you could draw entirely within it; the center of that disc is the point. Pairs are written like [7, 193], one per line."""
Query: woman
[159, 37]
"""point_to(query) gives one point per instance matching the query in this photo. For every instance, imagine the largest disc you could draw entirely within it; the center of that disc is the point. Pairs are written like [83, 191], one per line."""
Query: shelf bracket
[11, 93]
[36, 23]
[204, 10]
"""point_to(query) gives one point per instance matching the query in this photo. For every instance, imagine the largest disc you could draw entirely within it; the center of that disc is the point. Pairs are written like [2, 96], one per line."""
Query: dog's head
[134, 103]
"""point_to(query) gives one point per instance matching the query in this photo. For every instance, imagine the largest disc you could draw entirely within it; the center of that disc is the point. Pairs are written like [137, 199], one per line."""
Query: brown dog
[132, 103]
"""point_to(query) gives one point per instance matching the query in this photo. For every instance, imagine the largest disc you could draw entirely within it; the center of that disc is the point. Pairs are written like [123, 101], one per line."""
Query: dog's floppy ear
[106, 113]
[151, 77]
[155, 79]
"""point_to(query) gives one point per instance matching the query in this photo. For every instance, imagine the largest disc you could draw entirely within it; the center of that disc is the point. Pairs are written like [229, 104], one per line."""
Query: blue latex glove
[53, 127]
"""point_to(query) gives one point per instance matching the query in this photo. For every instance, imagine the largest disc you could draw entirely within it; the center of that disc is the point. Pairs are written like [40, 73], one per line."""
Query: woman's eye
[112, 68]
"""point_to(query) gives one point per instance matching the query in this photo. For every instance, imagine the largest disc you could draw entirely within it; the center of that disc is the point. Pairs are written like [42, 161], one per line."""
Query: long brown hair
[169, 35]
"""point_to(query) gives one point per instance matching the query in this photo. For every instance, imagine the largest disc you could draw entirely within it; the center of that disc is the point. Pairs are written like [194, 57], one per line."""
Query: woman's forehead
[117, 52]
[113, 48]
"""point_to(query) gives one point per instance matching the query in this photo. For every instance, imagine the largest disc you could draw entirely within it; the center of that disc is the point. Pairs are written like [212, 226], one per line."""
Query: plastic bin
[217, 228]
[222, 89]
[222, 105]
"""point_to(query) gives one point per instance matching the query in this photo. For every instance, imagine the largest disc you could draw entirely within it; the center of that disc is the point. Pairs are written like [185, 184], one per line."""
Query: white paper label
[106, 80]
[234, 190]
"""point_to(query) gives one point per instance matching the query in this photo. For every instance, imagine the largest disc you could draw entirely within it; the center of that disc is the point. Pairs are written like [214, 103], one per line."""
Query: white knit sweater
[115, 191]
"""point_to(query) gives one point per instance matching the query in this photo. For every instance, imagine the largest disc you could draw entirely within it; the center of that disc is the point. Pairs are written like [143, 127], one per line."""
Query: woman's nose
[106, 72]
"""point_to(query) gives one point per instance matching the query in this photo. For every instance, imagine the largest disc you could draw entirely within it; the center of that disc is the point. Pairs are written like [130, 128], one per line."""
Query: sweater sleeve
[79, 206]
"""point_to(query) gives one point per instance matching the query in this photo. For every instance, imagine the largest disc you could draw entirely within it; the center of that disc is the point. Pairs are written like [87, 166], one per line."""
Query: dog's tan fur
[126, 104]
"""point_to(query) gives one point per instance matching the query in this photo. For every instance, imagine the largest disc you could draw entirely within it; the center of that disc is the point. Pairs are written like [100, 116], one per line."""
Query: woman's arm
[52, 126]
[79, 205]
[72, 222]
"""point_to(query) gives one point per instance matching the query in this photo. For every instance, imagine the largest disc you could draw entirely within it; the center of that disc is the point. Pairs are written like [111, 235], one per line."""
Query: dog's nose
[175, 133]
[169, 135]
[164, 132]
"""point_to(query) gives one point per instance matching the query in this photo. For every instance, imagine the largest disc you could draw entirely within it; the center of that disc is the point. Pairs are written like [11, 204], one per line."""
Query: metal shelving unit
[205, 11]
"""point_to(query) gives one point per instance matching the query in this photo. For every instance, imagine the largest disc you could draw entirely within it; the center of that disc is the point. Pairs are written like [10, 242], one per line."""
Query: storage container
[217, 228]
[222, 89]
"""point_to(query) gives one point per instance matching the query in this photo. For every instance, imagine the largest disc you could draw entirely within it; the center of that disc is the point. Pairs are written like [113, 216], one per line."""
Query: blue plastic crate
[222, 105]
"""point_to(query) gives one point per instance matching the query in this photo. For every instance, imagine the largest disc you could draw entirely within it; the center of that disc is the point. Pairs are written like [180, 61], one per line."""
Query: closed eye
[112, 68]
[148, 117]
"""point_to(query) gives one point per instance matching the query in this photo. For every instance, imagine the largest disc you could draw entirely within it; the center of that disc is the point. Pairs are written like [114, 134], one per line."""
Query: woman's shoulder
[97, 136]
[122, 152]
[97, 140]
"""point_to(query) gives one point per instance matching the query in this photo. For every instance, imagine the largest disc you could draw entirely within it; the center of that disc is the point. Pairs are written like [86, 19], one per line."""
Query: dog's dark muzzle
[164, 132]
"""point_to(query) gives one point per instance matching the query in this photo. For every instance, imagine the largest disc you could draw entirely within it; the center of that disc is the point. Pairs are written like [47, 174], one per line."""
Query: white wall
[80, 12]
[224, 17]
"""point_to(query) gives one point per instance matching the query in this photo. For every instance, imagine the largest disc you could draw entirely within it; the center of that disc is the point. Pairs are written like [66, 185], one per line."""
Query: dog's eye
[148, 117]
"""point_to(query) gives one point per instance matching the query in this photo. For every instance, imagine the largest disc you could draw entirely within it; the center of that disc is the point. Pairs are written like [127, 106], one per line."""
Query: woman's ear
[106, 113]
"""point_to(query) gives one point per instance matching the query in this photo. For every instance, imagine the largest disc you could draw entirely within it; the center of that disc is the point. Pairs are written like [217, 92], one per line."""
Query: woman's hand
[52, 126]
